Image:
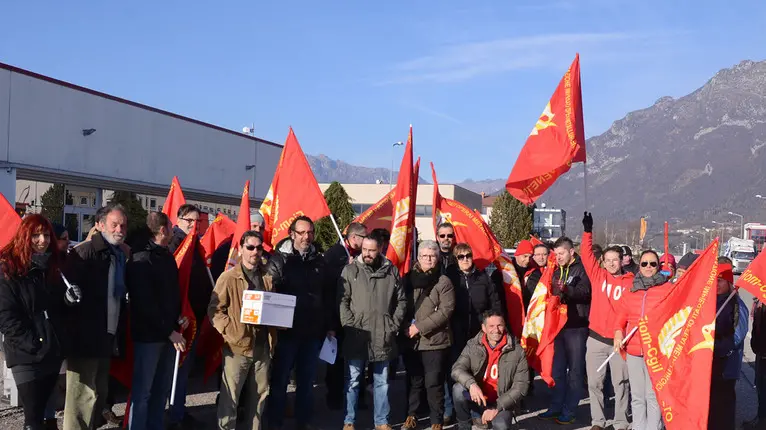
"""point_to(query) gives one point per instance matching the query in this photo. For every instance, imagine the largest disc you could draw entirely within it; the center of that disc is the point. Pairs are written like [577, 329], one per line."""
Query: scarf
[117, 272]
[641, 283]
[491, 374]
[40, 261]
[424, 280]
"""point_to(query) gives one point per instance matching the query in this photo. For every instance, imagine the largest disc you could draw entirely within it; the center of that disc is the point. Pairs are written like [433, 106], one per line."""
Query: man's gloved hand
[587, 222]
[73, 294]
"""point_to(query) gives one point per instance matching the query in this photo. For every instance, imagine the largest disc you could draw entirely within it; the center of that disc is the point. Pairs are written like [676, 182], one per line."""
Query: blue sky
[350, 76]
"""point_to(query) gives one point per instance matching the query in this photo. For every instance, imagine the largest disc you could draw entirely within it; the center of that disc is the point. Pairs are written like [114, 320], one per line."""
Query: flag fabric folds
[556, 141]
[379, 214]
[403, 222]
[9, 220]
[242, 226]
[184, 256]
[220, 230]
[173, 201]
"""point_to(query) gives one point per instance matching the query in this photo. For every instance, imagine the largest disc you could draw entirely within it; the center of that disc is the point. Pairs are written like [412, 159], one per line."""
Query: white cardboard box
[266, 308]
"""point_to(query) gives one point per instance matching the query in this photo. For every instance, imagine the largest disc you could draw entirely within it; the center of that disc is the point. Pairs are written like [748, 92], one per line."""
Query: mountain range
[690, 160]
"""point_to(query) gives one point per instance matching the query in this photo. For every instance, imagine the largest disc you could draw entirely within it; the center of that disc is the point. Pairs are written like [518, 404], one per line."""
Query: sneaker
[549, 415]
[436, 427]
[348, 426]
[383, 427]
[411, 423]
[478, 424]
[565, 419]
[447, 420]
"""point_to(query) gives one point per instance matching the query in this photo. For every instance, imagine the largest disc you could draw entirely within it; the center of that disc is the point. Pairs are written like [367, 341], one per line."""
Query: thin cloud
[469, 60]
[428, 111]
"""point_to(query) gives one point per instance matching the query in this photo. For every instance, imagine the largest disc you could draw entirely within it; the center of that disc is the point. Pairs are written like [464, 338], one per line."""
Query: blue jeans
[355, 371]
[304, 355]
[152, 377]
[178, 409]
[568, 370]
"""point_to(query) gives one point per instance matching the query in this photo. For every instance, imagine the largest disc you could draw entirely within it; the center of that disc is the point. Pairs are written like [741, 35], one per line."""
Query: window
[83, 201]
[153, 203]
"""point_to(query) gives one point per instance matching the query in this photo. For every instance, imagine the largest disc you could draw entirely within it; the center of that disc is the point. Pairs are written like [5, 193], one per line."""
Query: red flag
[184, 256]
[752, 280]
[514, 301]
[556, 141]
[379, 214]
[468, 226]
[221, 229]
[402, 226]
[294, 192]
[9, 220]
[678, 335]
[545, 319]
[535, 241]
[173, 201]
[242, 226]
[209, 348]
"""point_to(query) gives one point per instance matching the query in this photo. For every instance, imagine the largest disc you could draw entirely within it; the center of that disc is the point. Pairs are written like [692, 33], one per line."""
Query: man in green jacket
[372, 307]
[491, 377]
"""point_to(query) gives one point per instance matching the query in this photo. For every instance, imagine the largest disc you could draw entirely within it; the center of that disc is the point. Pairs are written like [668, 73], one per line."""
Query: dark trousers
[760, 383]
[466, 410]
[34, 397]
[426, 370]
[303, 355]
[723, 404]
[335, 380]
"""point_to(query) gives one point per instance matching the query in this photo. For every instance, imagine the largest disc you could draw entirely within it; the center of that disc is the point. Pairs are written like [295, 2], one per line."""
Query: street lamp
[758, 196]
[741, 222]
[391, 172]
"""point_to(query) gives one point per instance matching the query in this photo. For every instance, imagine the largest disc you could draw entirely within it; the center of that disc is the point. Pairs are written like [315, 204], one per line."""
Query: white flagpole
[340, 235]
[175, 378]
[624, 341]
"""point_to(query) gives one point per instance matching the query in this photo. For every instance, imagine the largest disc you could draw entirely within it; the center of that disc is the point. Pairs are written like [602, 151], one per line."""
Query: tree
[340, 206]
[52, 204]
[510, 220]
[135, 212]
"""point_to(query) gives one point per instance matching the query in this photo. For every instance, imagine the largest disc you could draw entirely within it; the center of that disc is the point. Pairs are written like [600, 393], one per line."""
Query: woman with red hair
[32, 297]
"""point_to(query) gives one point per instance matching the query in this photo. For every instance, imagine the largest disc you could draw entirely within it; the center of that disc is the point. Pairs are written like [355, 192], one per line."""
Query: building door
[80, 211]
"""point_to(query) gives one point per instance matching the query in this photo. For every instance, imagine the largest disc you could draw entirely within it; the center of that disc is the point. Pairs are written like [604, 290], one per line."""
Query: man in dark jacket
[758, 344]
[491, 377]
[571, 284]
[155, 306]
[297, 269]
[445, 235]
[336, 258]
[372, 307]
[200, 289]
[98, 323]
[628, 265]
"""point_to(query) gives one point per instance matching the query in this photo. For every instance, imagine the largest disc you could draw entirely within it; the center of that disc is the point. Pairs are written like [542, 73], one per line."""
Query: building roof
[21, 71]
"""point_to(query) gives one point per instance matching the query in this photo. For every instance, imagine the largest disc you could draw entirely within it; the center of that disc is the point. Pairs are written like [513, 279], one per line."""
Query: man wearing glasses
[337, 257]
[445, 235]
[200, 289]
[247, 348]
[296, 268]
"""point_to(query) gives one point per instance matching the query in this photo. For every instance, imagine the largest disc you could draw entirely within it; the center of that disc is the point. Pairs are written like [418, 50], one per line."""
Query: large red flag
[535, 241]
[402, 226]
[294, 192]
[184, 256]
[752, 280]
[468, 226]
[678, 335]
[556, 141]
[9, 221]
[243, 225]
[545, 319]
[173, 201]
[514, 301]
[379, 214]
[221, 229]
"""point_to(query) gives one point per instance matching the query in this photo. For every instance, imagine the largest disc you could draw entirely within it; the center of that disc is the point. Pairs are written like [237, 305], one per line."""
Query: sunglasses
[462, 257]
[253, 247]
[444, 236]
[648, 263]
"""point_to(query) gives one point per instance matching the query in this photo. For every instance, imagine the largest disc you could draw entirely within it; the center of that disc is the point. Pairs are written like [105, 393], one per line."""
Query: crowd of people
[445, 319]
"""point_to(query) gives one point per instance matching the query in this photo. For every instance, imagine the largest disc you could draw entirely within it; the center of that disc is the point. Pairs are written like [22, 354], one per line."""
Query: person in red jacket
[609, 285]
[649, 287]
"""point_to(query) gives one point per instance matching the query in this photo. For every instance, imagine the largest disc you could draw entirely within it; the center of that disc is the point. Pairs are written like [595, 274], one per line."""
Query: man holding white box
[248, 348]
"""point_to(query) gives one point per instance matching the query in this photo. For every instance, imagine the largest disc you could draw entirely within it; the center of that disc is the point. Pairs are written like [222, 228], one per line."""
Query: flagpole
[210, 276]
[337, 230]
[624, 341]
[585, 182]
[728, 299]
[175, 378]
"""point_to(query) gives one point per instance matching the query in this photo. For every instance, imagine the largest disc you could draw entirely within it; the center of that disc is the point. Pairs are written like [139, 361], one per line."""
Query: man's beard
[111, 239]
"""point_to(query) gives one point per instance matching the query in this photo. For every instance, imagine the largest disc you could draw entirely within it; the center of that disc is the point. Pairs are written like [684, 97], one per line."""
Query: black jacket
[89, 263]
[336, 259]
[219, 259]
[632, 267]
[758, 336]
[200, 287]
[31, 313]
[475, 293]
[155, 302]
[576, 294]
[309, 280]
[447, 260]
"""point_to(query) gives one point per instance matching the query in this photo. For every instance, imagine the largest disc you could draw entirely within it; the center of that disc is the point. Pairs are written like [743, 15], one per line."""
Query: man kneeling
[491, 377]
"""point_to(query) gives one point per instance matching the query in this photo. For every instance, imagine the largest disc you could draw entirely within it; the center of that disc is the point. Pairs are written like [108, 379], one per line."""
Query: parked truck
[741, 252]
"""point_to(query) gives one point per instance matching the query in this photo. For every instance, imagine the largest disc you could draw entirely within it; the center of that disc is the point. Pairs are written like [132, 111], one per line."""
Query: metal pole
[391, 170]
[175, 378]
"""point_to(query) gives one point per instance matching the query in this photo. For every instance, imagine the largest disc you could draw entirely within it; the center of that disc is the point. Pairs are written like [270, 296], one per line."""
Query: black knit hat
[687, 260]
[626, 251]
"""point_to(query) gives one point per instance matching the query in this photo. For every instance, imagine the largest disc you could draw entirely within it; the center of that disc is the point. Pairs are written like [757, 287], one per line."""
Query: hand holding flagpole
[622, 345]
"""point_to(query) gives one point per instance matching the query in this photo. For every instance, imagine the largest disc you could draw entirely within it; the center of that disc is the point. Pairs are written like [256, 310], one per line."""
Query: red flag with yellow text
[242, 226]
[379, 214]
[678, 335]
[545, 318]
[403, 222]
[184, 256]
[752, 280]
[173, 201]
[467, 225]
[294, 192]
[220, 230]
[9, 220]
[556, 141]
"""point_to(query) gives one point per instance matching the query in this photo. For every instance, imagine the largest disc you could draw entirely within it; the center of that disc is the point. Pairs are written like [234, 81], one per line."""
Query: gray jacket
[513, 373]
[432, 317]
[372, 307]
